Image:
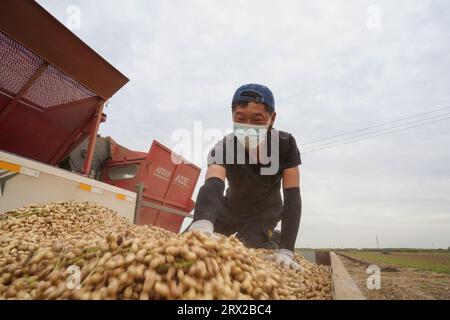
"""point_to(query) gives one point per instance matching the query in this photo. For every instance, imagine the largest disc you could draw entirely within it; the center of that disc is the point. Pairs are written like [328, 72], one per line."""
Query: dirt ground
[402, 284]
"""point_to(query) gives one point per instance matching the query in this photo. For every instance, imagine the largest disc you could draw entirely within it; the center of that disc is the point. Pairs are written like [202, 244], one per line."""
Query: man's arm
[216, 171]
[209, 199]
[290, 220]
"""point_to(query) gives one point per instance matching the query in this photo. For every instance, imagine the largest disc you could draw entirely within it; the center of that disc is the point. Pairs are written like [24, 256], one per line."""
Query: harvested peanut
[80, 250]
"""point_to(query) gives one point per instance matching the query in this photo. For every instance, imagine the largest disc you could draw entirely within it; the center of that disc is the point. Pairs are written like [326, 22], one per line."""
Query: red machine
[166, 180]
[52, 91]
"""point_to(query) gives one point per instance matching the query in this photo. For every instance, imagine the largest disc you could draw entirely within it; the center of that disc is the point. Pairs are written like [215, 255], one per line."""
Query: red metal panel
[4, 100]
[164, 219]
[158, 170]
[169, 221]
[120, 153]
[37, 135]
[183, 184]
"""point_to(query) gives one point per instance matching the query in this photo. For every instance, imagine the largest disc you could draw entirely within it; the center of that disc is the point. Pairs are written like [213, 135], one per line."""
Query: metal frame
[8, 108]
[97, 117]
[165, 209]
[93, 137]
[71, 104]
[139, 204]
[70, 142]
[4, 177]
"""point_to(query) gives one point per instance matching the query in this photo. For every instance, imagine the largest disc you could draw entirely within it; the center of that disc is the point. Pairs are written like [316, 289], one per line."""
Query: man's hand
[285, 258]
[205, 227]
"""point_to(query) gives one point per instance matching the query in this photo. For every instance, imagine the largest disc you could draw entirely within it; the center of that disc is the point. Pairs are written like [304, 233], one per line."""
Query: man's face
[253, 113]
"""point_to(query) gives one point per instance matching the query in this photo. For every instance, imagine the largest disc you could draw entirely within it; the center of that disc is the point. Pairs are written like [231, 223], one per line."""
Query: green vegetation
[430, 260]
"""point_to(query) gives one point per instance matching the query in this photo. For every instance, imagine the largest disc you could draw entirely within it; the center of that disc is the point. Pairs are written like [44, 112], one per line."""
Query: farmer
[256, 160]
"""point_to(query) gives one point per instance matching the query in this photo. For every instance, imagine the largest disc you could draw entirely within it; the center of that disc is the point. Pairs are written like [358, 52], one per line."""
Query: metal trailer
[52, 91]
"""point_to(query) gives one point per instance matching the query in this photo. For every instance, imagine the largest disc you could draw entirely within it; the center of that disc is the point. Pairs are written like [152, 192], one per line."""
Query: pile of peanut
[80, 250]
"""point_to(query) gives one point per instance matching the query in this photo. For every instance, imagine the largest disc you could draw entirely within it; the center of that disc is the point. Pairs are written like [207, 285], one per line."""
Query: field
[427, 260]
[405, 275]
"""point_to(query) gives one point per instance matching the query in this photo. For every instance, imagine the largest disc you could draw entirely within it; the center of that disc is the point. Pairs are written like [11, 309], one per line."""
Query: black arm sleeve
[209, 200]
[290, 220]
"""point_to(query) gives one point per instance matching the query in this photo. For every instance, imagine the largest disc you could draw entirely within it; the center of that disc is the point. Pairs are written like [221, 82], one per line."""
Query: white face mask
[250, 135]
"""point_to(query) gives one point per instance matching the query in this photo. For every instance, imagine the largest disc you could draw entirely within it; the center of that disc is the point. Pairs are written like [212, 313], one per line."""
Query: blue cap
[255, 93]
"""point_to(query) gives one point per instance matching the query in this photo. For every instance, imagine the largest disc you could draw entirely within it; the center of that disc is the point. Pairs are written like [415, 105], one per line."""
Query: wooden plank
[344, 287]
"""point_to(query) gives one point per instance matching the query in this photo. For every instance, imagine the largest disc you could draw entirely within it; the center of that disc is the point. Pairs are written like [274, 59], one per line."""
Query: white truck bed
[28, 182]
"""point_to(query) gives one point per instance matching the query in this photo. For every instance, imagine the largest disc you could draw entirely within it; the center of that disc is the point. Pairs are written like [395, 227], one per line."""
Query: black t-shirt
[251, 191]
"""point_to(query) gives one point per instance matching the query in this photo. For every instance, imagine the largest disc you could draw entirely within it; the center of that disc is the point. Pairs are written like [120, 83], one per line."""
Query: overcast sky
[334, 66]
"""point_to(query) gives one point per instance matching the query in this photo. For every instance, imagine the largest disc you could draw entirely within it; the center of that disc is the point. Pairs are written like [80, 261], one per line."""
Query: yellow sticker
[85, 187]
[9, 166]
